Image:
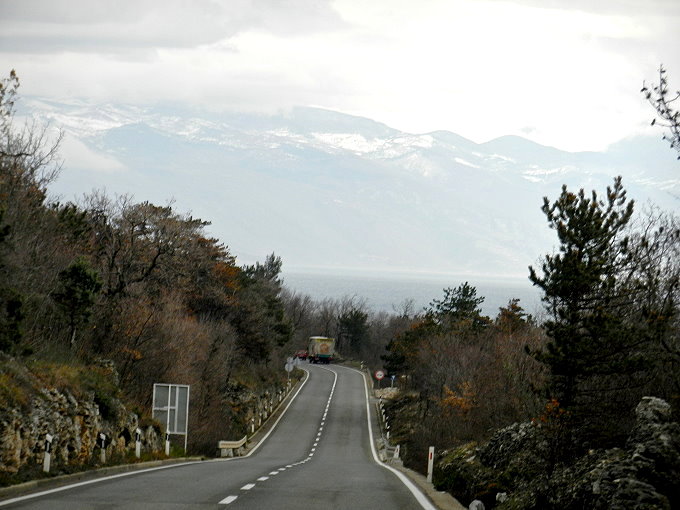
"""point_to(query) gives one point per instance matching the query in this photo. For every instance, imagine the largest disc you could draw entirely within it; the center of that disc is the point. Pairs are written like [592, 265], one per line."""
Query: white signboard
[171, 406]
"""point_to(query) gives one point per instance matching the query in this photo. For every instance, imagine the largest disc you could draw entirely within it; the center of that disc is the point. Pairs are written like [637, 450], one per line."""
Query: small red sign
[379, 374]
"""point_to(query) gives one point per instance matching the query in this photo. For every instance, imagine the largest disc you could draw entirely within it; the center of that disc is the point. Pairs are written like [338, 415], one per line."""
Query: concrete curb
[442, 500]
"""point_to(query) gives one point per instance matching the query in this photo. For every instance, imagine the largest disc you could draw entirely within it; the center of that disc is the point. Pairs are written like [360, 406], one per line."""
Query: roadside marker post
[102, 453]
[48, 452]
[430, 464]
[167, 444]
[290, 364]
[138, 443]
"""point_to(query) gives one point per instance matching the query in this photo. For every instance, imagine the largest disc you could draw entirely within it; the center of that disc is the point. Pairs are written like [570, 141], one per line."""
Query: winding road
[319, 456]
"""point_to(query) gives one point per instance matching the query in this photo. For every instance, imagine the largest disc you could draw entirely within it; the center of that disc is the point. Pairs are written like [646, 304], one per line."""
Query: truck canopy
[321, 349]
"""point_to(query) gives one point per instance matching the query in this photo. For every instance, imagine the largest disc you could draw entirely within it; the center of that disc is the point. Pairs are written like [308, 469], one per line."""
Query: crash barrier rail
[272, 403]
[386, 450]
[231, 448]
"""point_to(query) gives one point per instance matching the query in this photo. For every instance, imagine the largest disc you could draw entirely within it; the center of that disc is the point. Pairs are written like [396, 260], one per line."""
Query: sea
[386, 292]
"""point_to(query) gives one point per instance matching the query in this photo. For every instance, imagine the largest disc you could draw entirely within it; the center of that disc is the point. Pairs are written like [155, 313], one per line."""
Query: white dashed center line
[247, 487]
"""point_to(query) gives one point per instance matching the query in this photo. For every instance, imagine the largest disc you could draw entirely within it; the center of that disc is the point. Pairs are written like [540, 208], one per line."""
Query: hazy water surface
[387, 292]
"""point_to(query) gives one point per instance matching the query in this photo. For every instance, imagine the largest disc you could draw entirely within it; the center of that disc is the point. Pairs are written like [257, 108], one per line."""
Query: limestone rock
[74, 423]
[644, 473]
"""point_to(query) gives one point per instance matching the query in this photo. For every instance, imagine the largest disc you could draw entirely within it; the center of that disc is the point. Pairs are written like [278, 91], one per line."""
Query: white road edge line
[88, 482]
[131, 473]
[420, 497]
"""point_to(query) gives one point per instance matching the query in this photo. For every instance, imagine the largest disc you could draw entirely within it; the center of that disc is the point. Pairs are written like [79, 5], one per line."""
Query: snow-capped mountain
[328, 190]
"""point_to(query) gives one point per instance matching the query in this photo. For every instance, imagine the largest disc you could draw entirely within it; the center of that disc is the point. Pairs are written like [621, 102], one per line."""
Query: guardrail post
[48, 452]
[430, 463]
[102, 445]
[138, 443]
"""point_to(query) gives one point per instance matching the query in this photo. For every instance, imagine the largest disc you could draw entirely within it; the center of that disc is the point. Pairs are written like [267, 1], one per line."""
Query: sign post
[171, 406]
[379, 374]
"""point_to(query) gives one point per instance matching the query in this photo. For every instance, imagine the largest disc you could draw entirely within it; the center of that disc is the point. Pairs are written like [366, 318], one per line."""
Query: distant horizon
[197, 109]
[384, 272]
[386, 294]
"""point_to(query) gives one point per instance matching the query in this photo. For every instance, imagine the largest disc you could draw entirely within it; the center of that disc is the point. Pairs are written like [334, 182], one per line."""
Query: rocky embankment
[511, 470]
[74, 420]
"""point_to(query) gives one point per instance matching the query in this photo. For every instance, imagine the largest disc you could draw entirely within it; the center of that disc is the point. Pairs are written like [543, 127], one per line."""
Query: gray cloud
[48, 26]
[609, 7]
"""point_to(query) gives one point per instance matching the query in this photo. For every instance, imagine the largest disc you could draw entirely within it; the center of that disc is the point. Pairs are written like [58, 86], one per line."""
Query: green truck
[321, 349]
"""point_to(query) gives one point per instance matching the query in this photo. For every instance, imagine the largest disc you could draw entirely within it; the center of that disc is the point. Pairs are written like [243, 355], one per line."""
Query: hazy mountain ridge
[322, 188]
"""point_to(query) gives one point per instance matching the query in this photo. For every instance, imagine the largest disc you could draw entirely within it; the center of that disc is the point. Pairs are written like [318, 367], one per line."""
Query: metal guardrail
[387, 451]
[231, 448]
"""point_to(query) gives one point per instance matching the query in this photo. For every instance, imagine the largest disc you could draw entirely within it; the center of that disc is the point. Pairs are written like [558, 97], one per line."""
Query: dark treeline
[464, 373]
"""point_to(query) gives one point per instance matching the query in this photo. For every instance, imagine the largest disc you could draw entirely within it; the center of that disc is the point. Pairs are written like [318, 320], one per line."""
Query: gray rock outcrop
[75, 425]
[644, 473]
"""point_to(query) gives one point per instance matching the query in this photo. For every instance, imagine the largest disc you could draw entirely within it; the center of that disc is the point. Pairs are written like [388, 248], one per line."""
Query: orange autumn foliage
[461, 401]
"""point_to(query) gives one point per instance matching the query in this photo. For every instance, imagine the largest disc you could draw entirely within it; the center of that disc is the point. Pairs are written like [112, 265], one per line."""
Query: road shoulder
[442, 500]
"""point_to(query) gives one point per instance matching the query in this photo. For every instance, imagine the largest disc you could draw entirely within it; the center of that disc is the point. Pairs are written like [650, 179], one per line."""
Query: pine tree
[597, 336]
[583, 293]
[78, 287]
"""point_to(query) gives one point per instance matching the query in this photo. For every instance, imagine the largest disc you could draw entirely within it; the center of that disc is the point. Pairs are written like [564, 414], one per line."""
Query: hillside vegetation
[137, 284]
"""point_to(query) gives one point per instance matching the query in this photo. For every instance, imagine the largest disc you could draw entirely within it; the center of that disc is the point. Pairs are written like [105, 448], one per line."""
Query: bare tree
[659, 97]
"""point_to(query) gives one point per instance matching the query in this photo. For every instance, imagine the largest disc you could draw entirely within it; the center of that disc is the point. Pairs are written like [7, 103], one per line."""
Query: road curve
[320, 456]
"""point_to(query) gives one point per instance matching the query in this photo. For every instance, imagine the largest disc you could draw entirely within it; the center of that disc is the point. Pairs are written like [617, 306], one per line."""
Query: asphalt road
[319, 456]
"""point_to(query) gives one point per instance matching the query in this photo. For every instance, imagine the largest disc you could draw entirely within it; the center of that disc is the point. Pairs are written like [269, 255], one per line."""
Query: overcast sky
[562, 73]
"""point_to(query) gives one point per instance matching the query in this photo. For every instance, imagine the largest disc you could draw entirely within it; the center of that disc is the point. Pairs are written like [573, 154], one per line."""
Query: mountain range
[333, 192]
